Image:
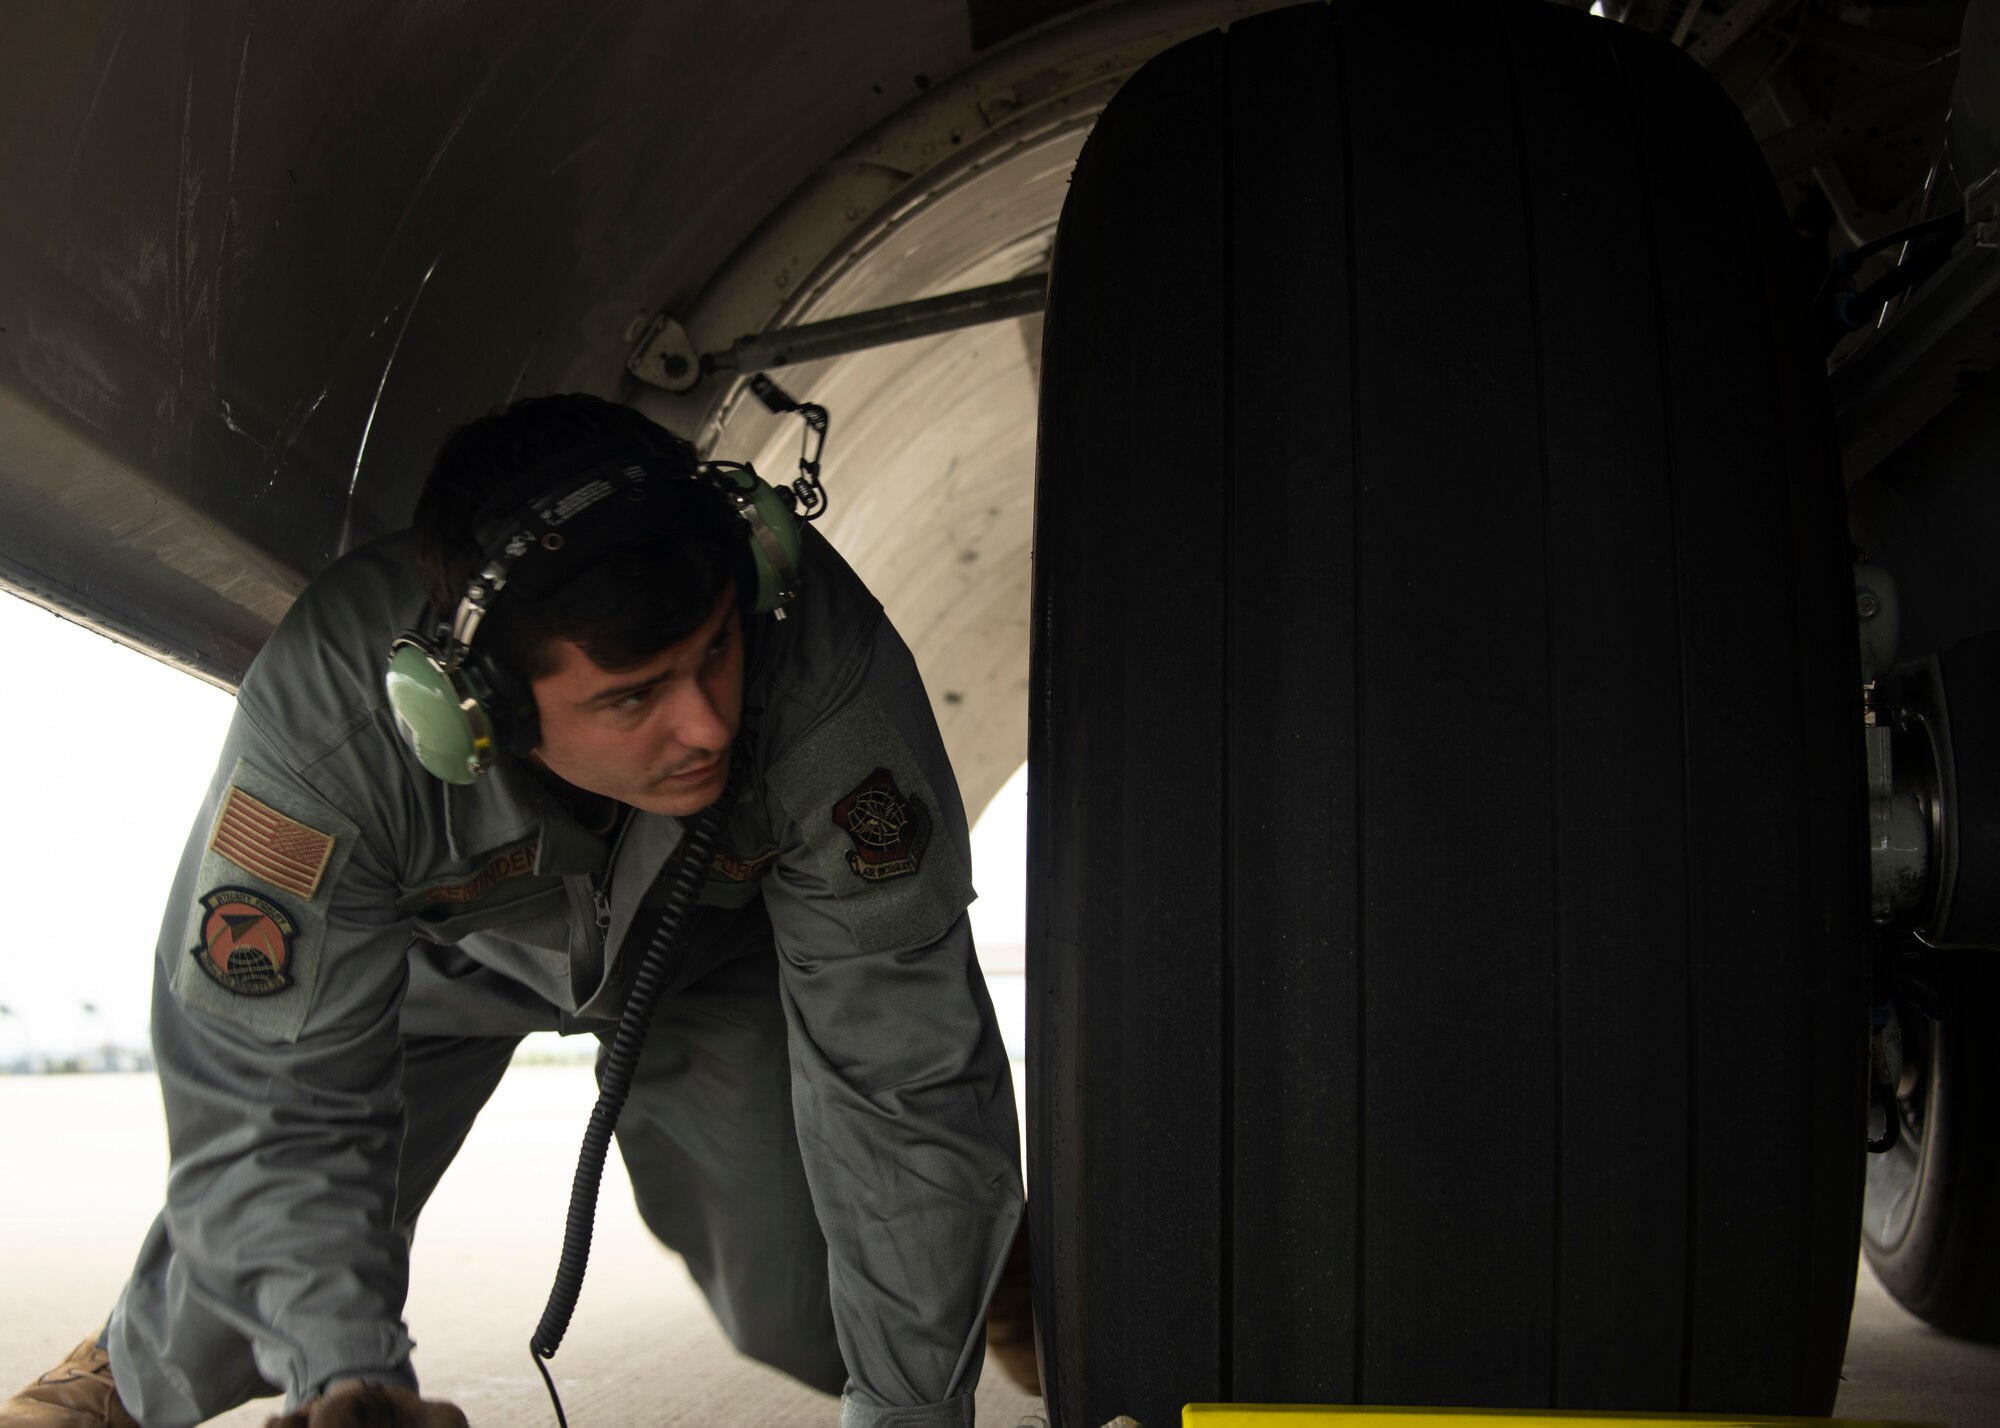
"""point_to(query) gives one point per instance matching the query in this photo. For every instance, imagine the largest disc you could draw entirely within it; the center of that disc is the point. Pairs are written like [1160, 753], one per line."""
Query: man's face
[655, 736]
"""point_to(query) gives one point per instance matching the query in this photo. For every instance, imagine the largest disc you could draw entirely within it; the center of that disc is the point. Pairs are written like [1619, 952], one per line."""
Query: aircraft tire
[1446, 852]
[1931, 1227]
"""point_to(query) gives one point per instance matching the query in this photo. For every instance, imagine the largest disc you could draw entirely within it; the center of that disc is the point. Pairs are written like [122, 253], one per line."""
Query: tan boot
[1010, 1320]
[76, 1393]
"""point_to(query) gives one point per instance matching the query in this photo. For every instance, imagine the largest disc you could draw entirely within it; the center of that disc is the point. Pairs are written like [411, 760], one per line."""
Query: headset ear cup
[774, 531]
[509, 703]
[775, 587]
[437, 714]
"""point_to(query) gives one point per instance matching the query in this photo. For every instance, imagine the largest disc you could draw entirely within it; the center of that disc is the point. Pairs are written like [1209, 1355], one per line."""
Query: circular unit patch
[246, 942]
[889, 830]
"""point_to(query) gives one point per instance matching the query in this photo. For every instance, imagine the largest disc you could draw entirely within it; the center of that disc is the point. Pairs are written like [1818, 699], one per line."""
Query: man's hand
[371, 1405]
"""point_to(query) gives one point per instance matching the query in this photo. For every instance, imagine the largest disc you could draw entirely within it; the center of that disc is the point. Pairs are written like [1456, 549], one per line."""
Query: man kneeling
[368, 918]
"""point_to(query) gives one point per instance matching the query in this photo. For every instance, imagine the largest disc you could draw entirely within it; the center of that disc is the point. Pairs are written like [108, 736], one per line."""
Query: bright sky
[110, 754]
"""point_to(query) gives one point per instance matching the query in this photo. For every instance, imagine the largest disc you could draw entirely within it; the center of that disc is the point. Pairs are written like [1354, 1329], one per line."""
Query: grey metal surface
[264, 261]
[1821, 61]
[1925, 353]
[1894, 104]
[1731, 27]
[901, 322]
[255, 262]
[1974, 128]
[1898, 828]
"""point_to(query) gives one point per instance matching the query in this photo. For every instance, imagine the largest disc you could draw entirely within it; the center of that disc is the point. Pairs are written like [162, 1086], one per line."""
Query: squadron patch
[246, 943]
[260, 840]
[889, 830]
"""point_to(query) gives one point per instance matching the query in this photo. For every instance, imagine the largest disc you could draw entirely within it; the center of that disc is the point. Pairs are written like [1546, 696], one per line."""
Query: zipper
[600, 894]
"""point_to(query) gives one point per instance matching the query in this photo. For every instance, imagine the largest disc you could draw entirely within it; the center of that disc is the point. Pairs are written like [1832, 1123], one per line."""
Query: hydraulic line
[620, 1064]
[1839, 309]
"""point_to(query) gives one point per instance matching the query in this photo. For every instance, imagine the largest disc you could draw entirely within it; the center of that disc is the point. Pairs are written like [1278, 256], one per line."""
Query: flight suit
[822, 1123]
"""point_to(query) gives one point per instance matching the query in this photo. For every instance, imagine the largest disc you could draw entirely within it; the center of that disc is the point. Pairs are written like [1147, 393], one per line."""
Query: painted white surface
[642, 1348]
[87, 1155]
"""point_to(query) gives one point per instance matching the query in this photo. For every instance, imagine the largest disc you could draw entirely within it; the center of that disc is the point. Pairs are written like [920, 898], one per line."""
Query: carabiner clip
[808, 495]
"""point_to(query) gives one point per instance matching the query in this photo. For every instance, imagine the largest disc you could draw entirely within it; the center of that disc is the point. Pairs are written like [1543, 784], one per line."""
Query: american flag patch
[262, 841]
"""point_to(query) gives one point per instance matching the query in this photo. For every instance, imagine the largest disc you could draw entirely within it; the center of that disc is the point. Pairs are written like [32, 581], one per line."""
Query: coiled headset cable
[620, 1064]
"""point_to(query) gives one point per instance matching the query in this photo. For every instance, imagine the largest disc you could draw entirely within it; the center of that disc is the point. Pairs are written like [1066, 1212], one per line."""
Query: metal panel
[253, 267]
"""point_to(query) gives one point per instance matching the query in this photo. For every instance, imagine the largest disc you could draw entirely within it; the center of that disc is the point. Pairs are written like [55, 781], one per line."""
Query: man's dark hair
[636, 599]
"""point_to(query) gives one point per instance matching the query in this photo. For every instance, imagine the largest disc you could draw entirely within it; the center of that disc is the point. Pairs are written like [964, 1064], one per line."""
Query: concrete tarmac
[88, 1162]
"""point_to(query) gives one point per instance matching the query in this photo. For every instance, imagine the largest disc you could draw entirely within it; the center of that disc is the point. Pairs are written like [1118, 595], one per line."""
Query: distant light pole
[83, 1062]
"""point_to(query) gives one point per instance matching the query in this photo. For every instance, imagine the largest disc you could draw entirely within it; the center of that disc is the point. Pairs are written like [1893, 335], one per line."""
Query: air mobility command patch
[879, 852]
[256, 930]
[889, 830]
[246, 942]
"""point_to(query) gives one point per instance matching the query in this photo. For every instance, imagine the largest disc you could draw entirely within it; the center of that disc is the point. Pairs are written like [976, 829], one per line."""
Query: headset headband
[539, 526]
[535, 550]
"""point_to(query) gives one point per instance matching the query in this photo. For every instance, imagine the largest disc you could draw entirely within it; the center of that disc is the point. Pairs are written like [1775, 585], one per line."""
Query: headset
[456, 706]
